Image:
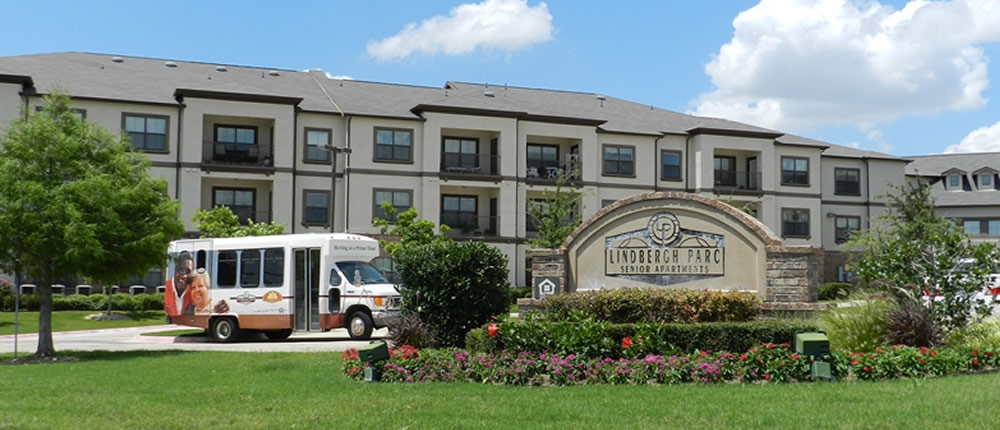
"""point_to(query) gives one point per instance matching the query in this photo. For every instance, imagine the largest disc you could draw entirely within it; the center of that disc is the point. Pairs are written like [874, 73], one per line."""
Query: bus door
[307, 261]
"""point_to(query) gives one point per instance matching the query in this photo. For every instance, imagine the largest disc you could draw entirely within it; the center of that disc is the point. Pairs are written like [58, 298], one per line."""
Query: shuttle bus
[278, 285]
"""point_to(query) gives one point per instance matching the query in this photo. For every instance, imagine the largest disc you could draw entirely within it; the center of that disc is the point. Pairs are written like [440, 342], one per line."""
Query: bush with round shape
[454, 287]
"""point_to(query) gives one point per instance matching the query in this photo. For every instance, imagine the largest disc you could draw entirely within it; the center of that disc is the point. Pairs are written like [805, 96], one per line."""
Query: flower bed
[764, 363]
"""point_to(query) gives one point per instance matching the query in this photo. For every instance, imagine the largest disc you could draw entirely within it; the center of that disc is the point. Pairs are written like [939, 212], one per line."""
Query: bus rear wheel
[360, 326]
[278, 334]
[225, 330]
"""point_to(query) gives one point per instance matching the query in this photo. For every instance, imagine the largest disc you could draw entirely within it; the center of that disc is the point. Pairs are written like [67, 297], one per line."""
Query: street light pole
[334, 150]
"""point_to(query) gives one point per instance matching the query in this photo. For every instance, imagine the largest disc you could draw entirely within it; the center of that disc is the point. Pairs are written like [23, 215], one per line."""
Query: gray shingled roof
[87, 75]
[934, 167]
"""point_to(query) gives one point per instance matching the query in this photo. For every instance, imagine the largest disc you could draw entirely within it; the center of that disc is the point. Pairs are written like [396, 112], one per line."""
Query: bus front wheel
[360, 326]
[225, 330]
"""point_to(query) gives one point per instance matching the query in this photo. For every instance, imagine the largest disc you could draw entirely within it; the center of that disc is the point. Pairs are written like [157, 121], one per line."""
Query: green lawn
[187, 390]
[74, 320]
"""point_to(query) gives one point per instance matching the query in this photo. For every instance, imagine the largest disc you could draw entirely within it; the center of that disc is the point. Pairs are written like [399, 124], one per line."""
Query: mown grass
[185, 390]
[75, 320]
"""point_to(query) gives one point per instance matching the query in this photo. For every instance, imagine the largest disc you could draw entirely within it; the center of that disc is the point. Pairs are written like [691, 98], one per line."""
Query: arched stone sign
[670, 239]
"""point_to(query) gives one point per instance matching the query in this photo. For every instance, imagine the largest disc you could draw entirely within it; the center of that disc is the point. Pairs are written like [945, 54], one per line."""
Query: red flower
[933, 353]
[921, 360]
[975, 362]
[743, 357]
[975, 352]
[769, 346]
[923, 349]
[853, 362]
[626, 342]
[767, 376]
[867, 369]
[492, 330]
[878, 350]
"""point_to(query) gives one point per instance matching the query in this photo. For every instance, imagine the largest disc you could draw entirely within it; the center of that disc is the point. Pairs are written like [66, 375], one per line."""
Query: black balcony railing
[459, 164]
[550, 170]
[238, 154]
[467, 224]
[737, 181]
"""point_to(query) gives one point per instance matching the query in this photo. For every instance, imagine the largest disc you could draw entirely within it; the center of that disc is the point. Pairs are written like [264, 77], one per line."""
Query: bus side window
[226, 269]
[200, 260]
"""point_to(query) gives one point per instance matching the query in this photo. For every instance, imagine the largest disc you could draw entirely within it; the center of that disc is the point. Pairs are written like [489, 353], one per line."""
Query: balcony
[470, 225]
[547, 171]
[238, 155]
[737, 182]
[469, 166]
[245, 214]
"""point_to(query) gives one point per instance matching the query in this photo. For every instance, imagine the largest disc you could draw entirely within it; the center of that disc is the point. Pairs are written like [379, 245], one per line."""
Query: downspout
[687, 163]
[295, 162]
[347, 166]
[868, 193]
[180, 133]
[656, 151]
[518, 268]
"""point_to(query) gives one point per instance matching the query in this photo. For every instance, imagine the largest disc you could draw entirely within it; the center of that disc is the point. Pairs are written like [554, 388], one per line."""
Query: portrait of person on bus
[177, 287]
[197, 299]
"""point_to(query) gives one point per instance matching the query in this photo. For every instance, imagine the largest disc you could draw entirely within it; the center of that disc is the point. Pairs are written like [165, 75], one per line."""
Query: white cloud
[506, 25]
[983, 139]
[798, 64]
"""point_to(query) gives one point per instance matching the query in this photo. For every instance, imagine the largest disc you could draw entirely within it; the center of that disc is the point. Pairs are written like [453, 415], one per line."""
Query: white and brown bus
[278, 284]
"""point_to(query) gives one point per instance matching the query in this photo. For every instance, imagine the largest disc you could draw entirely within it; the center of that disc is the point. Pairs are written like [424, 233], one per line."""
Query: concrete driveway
[132, 339]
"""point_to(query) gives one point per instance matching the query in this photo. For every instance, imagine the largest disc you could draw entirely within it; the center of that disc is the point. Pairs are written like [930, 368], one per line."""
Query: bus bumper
[381, 318]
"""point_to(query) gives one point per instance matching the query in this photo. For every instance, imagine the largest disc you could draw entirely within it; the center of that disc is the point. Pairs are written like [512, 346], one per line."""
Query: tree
[910, 250]
[409, 228]
[222, 222]
[555, 216]
[74, 200]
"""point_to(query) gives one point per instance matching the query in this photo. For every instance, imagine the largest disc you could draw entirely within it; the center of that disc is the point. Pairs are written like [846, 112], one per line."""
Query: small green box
[815, 344]
[373, 352]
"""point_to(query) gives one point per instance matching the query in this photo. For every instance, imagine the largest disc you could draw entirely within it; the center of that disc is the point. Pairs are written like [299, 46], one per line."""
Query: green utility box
[376, 351]
[814, 344]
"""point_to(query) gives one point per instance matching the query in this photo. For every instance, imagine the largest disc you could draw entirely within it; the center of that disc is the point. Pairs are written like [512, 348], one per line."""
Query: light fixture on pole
[334, 150]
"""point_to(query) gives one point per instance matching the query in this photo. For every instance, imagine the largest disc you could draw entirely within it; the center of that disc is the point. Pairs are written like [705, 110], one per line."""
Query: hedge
[79, 302]
[634, 305]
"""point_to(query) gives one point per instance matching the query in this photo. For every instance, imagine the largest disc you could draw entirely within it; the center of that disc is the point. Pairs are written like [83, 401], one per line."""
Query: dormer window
[986, 181]
[954, 182]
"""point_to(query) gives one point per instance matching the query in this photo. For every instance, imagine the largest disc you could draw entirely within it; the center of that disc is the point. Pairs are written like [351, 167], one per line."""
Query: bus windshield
[360, 273]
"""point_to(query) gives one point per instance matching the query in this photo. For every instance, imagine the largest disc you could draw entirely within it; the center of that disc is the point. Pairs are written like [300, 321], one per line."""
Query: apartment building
[964, 188]
[263, 142]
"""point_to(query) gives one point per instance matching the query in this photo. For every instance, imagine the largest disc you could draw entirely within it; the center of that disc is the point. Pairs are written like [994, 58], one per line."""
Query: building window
[972, 227]
[670, 165]
[725, 170]
[619, 160]
[401, 200]
[393, 145]
[795, 223]
[954, 182]
[794, 171]
[317, 211]
[844, 225]
[986, 180]
[236, 135]
[241, 201]
[459, 212]
[146, 132]
[316, 140]
[993, 227]
[460, 154]
[542, 160]
[848, 182]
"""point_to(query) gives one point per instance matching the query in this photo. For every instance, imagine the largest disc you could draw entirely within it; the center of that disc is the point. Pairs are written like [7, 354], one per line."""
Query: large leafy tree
[555, 216]
[408, 228]
[74, 200]
[910, 250]
[222, 222]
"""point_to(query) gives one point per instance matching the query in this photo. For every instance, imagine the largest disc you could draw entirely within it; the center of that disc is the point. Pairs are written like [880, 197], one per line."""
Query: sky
[894, 76]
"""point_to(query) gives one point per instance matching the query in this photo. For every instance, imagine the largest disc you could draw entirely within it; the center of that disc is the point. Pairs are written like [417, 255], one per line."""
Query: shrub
[79, 302]
[408, 329]
[863, 326]
[586, 337]
[519, 293]
[983, 335]
[834, 290]
[98, 301]
[633, 305]
[454, 287]
[478, 340]
[122, 302]
[148, 302]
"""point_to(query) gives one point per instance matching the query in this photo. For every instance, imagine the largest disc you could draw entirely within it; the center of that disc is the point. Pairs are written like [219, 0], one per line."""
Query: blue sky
[896, 76]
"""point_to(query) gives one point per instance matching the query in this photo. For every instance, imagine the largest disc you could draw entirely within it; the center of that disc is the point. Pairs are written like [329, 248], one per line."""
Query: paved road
[131, 339]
